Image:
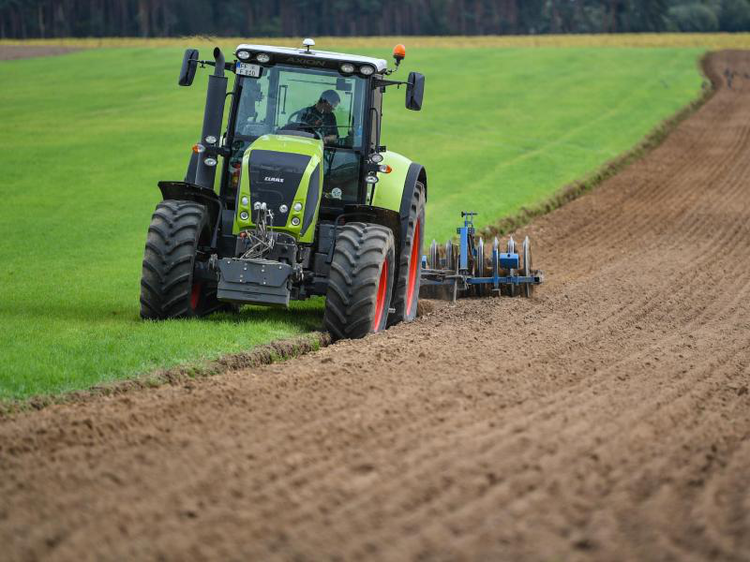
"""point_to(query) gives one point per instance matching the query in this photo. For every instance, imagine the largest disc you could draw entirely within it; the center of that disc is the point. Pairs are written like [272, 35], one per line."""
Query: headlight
[210, 161]
[244, 216]
[243, 201]
[243, 55]
[371, 179]
[297, 206]
[295, 221]
[263, 58]
[347, 68]
[283, 209]
[376, 158]
[367, 70]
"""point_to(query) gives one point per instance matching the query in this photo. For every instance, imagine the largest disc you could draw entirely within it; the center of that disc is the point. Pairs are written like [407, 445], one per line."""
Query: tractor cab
[331, 97]
[303, 181]
[318, 96]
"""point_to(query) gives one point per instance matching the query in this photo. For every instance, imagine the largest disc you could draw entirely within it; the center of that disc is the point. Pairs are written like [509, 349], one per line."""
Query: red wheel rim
[413, 267]
[195, 296]
[382, 293]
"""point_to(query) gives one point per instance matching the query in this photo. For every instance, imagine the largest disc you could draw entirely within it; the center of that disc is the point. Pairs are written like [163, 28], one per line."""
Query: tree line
[21, 19]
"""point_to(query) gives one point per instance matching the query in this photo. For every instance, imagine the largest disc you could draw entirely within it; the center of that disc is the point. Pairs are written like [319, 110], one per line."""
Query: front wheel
[360, 281]
[169, 288]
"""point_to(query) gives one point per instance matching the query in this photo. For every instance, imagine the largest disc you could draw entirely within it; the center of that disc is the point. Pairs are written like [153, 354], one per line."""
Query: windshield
[291, 98]
[319, 102]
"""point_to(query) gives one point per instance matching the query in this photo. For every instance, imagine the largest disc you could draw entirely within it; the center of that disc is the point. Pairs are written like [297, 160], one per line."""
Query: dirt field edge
[265, 354]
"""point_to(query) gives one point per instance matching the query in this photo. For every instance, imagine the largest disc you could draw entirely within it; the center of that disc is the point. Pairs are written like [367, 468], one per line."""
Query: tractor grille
[274, 180]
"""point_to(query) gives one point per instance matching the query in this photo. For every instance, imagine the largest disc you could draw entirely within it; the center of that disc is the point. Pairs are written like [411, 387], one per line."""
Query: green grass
[85, 138]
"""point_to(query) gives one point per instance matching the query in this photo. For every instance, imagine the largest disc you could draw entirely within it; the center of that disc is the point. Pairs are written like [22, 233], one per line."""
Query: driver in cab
[320, 116]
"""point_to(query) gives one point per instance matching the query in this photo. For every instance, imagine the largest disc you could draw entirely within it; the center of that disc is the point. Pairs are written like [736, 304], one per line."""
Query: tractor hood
[284, 172]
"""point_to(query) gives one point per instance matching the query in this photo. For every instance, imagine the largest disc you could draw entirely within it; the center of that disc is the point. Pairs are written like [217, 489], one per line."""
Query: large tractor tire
[168, 290]
[360, 283]
[406, 293]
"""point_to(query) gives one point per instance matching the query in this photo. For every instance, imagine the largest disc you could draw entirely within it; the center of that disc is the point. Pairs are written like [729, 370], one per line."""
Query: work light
[347, 68]
[366, 69]
[243, 55]
[263, 58]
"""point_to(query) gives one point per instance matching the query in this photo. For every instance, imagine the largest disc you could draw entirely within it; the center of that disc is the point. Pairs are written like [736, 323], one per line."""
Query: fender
[376, 215]
[187, 191]
[416, 173]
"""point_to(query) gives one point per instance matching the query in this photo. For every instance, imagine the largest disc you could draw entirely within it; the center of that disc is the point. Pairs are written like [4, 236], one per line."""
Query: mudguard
[394, 190]
[186, 191]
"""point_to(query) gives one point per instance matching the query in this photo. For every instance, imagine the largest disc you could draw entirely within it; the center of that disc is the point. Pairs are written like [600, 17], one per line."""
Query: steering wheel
[294, 124]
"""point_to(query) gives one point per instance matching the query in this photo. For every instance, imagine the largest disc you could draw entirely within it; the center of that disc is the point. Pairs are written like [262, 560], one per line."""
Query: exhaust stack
[212, 119]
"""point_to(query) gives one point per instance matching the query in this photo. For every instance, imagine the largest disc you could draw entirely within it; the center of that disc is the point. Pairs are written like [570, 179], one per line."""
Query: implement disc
[479, 266]
[449, 262]
[432, 258]
[511, 289]
[528, 288]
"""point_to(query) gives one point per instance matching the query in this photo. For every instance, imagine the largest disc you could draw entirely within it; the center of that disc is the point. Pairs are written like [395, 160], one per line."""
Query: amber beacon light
[399, 53]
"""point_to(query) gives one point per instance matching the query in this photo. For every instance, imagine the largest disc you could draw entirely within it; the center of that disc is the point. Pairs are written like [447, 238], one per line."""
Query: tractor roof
[379, 64]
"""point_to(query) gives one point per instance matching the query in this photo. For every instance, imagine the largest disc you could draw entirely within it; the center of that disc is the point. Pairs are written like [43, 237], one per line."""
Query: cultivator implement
[472, 268]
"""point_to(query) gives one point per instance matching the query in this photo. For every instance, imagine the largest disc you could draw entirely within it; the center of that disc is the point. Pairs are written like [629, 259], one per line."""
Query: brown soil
[606, 419]
[12, 52]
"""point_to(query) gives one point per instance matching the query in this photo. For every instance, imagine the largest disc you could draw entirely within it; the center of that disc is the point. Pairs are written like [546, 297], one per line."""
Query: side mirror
[189, 66]
[415, 91]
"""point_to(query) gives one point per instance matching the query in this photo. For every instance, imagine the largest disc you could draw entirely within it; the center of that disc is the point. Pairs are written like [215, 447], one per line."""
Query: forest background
[26, 19]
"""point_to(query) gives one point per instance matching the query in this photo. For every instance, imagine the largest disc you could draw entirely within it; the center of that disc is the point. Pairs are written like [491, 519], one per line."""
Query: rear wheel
[169, 288]
[406, 293]
[360, 282]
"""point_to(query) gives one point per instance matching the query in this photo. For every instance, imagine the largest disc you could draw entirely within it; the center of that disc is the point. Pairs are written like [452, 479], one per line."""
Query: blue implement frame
[503, 267]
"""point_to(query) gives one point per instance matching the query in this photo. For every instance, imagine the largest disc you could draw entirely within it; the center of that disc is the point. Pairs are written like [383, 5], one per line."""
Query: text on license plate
[245, 69]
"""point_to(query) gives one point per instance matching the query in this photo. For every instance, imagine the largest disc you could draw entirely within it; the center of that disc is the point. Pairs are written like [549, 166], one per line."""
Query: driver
[320, 116]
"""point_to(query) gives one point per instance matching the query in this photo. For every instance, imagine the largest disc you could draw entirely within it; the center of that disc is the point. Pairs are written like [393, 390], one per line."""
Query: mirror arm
[205, 63]
[378, 83]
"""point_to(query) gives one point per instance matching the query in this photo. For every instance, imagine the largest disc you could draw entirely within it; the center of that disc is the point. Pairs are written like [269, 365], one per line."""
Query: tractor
[308, 201]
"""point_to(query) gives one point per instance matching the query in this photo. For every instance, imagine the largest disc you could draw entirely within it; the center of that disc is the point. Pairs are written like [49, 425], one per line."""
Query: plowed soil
[608, 418]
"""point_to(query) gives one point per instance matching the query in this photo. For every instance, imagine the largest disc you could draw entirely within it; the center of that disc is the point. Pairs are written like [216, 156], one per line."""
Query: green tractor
[308, 202]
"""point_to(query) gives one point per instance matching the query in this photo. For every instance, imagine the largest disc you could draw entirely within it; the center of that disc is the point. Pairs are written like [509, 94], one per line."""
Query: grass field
[86, 137]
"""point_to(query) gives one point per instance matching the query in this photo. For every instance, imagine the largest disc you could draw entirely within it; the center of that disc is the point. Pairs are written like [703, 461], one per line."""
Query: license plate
[246, 69]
